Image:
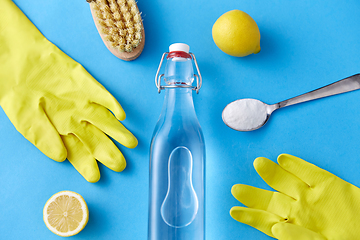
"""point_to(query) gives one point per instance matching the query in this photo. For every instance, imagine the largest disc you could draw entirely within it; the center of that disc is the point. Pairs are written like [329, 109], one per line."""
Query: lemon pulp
[66, 213]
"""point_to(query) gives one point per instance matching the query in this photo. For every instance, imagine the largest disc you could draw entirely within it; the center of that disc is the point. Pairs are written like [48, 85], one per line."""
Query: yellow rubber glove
[54, 102]
[311, 203]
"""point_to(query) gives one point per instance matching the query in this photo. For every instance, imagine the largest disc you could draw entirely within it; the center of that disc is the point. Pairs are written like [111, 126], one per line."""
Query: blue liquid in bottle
[177, 158]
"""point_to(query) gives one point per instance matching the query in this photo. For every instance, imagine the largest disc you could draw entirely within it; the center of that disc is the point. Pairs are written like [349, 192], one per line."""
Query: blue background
[304, 45]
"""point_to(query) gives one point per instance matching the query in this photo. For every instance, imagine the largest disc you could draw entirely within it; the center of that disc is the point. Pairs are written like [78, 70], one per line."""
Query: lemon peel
[237, 34]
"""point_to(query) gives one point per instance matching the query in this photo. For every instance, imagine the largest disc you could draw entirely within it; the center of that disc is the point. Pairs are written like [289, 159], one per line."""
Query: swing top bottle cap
[178, 55]
[179, 47]
[179, 52]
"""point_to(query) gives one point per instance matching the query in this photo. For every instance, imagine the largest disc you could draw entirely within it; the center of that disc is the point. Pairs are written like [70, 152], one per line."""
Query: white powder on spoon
[245, 114]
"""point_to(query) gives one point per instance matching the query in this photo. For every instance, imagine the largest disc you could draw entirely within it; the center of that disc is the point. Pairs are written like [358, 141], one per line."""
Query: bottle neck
[179, 71]
[178, 103]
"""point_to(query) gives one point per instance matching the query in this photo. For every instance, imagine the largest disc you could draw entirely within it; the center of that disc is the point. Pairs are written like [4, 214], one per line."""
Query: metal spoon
[251, 114]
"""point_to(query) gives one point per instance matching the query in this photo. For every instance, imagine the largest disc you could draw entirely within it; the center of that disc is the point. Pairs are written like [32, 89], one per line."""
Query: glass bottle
[177, 155]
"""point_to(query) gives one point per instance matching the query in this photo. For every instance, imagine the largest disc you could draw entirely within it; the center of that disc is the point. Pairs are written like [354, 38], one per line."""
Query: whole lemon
[236, 34]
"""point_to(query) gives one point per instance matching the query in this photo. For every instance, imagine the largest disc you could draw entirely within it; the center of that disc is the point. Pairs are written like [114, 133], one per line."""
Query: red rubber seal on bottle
[178, 54]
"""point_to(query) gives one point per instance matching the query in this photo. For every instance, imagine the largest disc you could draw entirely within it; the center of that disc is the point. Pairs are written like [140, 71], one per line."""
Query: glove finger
[104, 98]
[101, 147]
[98, 92]
[81, 158]
[259, 219]
[307, 172]
[36, 127]
[106, 122]
[279, 179]
[253, 197]
[288, 231]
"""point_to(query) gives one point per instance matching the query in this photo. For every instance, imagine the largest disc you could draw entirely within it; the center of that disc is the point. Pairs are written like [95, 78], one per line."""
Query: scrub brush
[120, 27]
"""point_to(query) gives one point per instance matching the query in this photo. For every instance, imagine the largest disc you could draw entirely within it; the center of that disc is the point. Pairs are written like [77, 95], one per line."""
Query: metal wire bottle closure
[161, 87]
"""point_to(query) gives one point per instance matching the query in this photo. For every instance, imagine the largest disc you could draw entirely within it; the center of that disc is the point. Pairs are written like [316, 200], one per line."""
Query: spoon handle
[342, 86]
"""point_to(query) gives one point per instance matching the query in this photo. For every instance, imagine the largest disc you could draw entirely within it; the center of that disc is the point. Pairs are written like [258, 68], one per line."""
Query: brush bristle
[120, 23]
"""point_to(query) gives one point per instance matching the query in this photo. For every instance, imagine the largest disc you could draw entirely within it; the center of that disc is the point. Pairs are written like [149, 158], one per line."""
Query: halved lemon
[66, 213]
